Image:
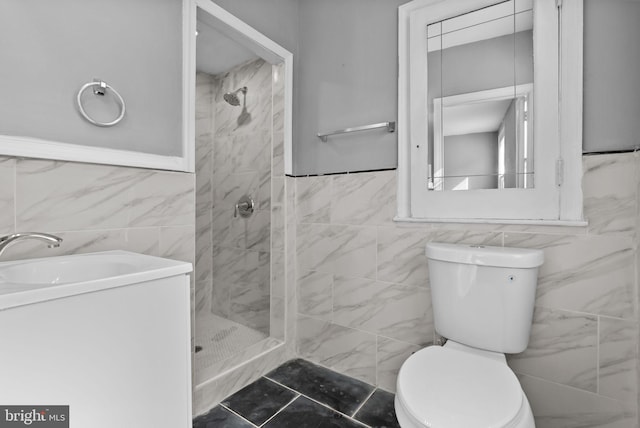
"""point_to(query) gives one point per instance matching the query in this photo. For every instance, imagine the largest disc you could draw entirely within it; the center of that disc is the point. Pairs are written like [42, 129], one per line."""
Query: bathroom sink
[51, 271]
[82, 330]
[31, 281]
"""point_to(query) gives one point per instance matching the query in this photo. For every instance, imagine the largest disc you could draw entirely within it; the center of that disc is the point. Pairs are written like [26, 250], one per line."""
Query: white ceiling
[215, 52]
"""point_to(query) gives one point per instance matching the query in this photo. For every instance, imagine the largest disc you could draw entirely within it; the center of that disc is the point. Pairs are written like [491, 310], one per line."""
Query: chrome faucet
[7, 241]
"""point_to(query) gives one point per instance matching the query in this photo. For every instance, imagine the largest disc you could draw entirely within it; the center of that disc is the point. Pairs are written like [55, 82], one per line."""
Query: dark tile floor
[299, 394]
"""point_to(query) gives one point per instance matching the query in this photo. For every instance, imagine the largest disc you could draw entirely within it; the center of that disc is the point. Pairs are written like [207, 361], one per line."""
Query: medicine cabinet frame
[556, 198]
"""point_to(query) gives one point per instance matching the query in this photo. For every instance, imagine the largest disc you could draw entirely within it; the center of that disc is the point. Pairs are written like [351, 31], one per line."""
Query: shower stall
[239, 134]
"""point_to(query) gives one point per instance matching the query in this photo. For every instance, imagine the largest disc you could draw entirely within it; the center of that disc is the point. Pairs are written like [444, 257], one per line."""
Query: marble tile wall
[96, 208]
[204, 128]
[363, 290]
[233, 148]
[281, 202]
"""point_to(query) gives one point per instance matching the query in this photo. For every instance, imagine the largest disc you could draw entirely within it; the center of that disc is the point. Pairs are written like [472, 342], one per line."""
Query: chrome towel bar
[391, 127]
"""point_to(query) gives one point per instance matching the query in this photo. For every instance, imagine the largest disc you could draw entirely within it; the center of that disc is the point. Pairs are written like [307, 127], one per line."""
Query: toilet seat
[443, 387]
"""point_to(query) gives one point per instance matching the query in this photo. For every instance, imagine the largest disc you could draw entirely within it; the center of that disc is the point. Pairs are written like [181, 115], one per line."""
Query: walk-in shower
[239, 215]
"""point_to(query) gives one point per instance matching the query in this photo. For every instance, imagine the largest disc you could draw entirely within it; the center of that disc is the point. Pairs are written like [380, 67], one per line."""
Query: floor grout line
[365, 401]
[237, 414]
[318, 402]
[281, 384]
[299, 394]
[283, 407]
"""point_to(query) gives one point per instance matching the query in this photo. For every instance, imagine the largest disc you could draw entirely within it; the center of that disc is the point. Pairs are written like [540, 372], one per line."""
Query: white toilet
[483, 300]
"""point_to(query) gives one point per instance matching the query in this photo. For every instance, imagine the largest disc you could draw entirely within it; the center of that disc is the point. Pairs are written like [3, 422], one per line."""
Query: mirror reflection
[480, 90]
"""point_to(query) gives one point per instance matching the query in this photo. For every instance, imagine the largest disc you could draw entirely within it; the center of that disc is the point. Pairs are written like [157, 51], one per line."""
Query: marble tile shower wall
[234, 158]
[364, 305]
[204, 126]
[96, 208]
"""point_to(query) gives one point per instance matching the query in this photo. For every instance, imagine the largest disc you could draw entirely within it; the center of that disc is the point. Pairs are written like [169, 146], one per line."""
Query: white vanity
[107, 334]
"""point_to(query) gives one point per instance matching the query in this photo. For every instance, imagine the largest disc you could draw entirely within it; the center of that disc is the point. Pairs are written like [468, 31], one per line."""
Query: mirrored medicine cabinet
[490, 111]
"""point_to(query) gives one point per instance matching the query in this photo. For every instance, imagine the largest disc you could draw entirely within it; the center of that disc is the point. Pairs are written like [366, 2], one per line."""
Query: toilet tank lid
[485, 255]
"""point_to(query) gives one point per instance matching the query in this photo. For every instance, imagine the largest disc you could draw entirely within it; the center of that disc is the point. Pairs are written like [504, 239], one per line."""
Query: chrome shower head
[232, 97]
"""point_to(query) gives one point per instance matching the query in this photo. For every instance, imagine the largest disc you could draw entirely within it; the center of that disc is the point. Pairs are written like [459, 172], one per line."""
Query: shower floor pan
[218, 339]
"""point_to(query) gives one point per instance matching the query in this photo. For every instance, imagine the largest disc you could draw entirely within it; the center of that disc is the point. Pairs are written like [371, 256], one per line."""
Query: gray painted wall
[345, 72]
[347, 76]
[48, 50]
[276, 19]
[611, 75]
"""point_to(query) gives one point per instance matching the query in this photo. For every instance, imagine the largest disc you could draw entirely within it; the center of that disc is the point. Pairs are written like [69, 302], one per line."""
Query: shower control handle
[244, 207]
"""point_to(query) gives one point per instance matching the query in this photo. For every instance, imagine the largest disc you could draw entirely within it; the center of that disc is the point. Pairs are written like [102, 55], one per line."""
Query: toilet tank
[484, 296]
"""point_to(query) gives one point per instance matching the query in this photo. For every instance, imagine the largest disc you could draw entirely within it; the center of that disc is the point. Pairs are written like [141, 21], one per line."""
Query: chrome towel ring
[99, 88]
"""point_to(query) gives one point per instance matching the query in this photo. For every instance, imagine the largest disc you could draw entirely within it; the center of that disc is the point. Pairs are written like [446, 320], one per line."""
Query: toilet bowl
[455, 386]
[482, 299]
